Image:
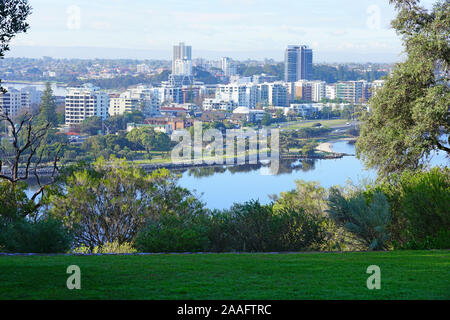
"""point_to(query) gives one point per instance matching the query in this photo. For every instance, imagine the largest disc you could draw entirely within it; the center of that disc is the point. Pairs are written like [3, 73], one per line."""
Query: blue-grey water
[220, 190]
[57, 90]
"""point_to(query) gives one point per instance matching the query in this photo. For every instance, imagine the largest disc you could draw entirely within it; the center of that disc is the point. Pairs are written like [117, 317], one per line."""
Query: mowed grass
[309, 123]
[404, 275]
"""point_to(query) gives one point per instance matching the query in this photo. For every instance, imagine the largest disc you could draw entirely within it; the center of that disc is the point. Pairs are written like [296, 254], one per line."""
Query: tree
[409, 116]
[148, 139]
[112, 200]
[13, 14]
[91, 125]
[24, 155]
[47, 110]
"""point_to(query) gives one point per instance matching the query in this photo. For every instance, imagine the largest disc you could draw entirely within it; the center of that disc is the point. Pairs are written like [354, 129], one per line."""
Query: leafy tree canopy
[408, 117]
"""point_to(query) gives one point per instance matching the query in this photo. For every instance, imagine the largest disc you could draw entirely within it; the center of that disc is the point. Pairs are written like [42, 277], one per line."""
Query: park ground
[404, 275]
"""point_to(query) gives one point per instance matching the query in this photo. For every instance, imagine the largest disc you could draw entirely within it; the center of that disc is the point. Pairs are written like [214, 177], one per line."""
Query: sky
[338, 31]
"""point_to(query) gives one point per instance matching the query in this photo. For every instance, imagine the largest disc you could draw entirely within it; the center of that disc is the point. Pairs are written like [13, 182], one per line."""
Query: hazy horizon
[241, 29]
[38, 52]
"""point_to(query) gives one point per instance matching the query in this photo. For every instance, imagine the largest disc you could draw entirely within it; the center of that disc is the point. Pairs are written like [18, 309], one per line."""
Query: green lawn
[404, 275]
[293, 125]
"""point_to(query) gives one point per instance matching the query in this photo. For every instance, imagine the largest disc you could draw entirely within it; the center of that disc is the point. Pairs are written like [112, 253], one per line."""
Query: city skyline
[238, 29]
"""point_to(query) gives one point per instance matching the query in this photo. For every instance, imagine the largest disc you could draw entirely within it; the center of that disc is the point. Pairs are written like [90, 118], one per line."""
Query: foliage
[26, 151]
[332, 74]
[13, 14]
[419, 204]
[119, 122]
[172, 233]
[366, 217]
[14, 202]
[409, 115]
[91, 126]
[109, 247]
[44, 236]
[110, 200]
[149, 140]
[47, 109]
[313, 199]
[253, 227]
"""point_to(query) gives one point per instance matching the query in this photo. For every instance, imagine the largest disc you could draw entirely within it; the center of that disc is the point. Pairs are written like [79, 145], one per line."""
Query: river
[57, 90]
[221, 187]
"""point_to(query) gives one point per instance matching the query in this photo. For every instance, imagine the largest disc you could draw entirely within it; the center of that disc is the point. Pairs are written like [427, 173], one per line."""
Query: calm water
[57, 91]
[224, 187]
[220, 187]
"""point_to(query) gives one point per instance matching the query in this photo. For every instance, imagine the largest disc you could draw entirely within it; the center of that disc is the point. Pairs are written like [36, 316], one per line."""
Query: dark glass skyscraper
[298, 62]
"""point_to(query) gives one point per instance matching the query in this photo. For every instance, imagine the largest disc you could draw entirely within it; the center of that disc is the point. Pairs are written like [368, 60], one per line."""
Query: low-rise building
[217, 104]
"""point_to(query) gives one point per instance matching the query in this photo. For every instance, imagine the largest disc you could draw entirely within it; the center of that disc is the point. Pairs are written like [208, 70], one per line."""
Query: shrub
[253, 227]
[367, 217]
[109, 247]
[440, 240]
[44, 236]
[173, 233]
[420, 207]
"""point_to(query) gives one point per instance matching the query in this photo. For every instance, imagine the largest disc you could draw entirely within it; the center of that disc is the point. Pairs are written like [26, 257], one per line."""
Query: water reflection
[286, 167]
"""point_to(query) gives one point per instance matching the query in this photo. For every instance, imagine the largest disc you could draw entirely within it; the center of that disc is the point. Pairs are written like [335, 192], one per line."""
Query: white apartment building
[330, 91]
[13, 101]
[149, 99]
[216, 104]
[251, 95]
[120, 104]
[244, 95]
[85, 102]
[318, 90]
[277, 94]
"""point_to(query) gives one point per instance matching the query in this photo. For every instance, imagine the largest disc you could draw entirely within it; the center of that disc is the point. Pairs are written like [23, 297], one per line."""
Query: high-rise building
[182, 60]
[228, 67]
[85, 102]
[298, 63]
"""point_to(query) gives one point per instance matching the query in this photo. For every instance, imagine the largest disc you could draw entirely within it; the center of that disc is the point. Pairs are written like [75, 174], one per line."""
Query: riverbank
[328, 146]
[324, 147]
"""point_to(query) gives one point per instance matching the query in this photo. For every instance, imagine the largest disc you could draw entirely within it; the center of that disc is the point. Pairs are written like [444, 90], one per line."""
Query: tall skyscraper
[298, 62]
[182, 60]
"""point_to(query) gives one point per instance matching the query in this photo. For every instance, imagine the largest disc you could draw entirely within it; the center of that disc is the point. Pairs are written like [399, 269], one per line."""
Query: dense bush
[44, 236]
[172, 233]
[420, 208]
[249, 227]
[254, 227]
[367, 217]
